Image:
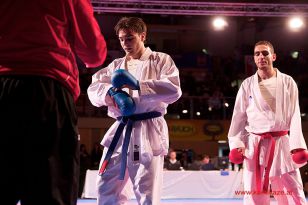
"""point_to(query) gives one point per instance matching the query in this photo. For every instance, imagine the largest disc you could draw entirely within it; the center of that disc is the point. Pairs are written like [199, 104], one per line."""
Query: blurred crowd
[188, 160]
[209, 83]
[88, 160]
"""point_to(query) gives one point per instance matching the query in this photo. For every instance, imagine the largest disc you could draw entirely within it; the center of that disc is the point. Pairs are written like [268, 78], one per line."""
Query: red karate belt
[270, 135]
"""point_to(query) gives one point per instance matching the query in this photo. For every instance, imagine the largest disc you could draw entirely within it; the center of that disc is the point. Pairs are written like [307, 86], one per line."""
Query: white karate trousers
[287, 189]
[146, 177]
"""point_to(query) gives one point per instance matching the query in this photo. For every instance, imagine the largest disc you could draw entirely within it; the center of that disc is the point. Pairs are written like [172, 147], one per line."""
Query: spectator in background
[39, 85]
[196, 164]
[96, 155]
[215, 104]
[85, 164]
[184, 160]
[172, 163]
[190, 84]
[206, 163]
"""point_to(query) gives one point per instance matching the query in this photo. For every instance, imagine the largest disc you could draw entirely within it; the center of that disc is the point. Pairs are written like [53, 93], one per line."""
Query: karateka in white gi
[266, 133]
[150, 81]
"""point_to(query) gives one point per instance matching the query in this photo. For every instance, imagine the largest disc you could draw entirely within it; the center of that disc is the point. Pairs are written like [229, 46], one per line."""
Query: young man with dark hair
[137, 90]
[266, 133]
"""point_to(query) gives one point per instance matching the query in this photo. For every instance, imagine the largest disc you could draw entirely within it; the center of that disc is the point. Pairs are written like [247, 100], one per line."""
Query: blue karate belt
[129, 122]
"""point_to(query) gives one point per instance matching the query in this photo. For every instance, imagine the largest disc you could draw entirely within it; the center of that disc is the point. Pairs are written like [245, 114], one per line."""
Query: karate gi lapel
[264, 106]
[279, 99]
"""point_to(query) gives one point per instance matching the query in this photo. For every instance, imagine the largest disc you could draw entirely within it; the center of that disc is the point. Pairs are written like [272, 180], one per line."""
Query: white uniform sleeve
[237, 130]
[296, 135]
[101, 83]
[167, 87]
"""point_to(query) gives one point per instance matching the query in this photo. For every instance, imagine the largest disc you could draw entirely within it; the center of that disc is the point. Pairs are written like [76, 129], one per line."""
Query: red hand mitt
[236, 157]
[300, 156]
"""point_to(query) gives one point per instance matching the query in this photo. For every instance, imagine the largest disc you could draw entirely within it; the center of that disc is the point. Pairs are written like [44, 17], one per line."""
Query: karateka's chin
[128, 50]
[262, 66]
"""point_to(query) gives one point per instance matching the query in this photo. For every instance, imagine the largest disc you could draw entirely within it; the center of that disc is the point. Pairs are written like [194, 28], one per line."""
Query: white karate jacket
[159, 86]
[253, 115]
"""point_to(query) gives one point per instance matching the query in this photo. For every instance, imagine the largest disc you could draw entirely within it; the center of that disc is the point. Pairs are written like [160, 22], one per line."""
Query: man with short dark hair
[206, 163]
[137, 90]
[266, 133]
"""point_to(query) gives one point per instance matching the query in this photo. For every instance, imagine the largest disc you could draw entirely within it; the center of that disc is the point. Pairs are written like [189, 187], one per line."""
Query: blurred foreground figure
[38, 87]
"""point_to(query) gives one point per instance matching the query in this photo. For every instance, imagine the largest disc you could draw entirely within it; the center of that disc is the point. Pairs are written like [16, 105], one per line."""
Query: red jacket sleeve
[89, 43]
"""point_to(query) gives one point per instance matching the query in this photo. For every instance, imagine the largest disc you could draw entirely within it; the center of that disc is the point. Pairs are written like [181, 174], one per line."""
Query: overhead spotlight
[296, 23]
[184, 111]
[294, 54]
[251, 19]
[204, 51]
[198, 113]
[210, 108]
[219, 23]
[226, 104]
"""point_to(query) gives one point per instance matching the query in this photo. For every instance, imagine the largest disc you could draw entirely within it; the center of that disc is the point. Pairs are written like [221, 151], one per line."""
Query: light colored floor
[177, 202]
[183, 202]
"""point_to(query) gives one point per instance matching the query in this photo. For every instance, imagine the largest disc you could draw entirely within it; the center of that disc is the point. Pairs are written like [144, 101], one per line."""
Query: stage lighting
[219, 23]
[204, 51]
[296, 23]
[294, 54]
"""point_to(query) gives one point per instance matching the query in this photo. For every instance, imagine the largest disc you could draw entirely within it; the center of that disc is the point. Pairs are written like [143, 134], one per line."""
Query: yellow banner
[198, 130]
